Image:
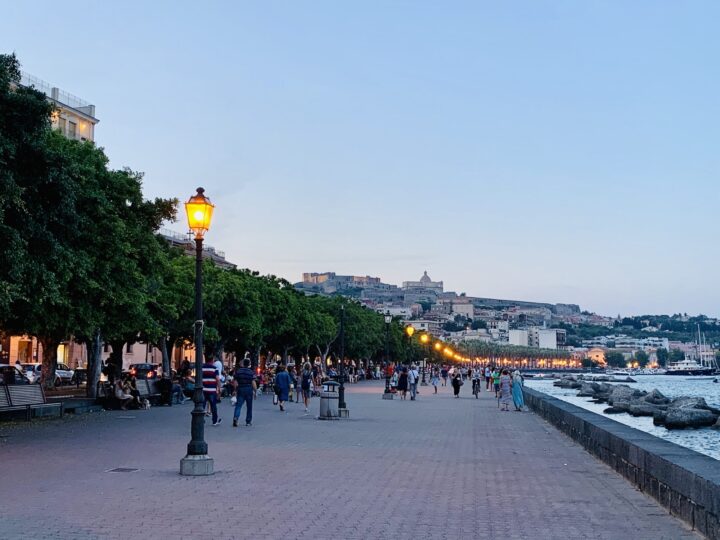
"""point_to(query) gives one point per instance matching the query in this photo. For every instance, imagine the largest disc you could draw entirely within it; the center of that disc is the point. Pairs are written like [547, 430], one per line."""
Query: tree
[642, 358]
[478, 324]
[615, 359]
[662, 356]
[87, 236]
[676, 355]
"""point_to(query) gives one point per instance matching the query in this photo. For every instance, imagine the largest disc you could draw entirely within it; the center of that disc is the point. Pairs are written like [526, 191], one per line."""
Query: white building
[518, 337]
[425, 284]
[73, 117]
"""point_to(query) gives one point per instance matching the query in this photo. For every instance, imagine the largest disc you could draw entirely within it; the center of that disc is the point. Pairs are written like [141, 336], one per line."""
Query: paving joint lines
[437, 467]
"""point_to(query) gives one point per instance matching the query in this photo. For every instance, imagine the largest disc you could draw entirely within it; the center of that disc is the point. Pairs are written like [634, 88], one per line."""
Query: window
[128, 348]
[62, 125]
[72, 130]
[106, 347]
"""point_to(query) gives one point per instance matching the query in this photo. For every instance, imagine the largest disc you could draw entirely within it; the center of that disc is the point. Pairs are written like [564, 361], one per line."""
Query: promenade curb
[685, 482]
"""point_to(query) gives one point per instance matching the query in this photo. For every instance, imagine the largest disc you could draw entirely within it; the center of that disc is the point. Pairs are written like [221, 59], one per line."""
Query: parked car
[63, 374]
[32, 372]
[143, 371]
[12, 375]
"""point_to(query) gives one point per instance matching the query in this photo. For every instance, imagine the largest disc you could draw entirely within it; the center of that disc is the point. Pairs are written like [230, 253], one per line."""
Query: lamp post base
[387, 395]
[202, 465]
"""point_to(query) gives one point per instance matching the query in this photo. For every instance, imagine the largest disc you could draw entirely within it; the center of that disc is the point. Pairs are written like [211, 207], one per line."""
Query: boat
[688, 367]
[703, 362]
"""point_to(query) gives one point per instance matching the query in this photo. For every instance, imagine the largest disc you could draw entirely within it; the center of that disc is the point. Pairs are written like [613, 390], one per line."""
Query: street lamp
[341, 391]
[388, 319]
[425, 340]
[199, 211]
[409, 331]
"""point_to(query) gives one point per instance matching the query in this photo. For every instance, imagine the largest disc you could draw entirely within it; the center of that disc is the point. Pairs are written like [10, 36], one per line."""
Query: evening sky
[550, 151]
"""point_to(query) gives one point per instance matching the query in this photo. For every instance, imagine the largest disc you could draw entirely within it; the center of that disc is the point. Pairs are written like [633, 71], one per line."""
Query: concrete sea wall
[683, 481]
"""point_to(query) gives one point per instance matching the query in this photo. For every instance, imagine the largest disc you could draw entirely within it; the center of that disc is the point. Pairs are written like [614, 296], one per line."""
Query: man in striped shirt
[211, 380]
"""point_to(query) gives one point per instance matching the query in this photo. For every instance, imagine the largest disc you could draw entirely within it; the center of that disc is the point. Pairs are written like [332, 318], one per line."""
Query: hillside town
[457, 318]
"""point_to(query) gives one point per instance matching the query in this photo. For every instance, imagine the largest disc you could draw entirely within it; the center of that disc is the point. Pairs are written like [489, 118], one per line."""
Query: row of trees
[81, 260]
[486, 349]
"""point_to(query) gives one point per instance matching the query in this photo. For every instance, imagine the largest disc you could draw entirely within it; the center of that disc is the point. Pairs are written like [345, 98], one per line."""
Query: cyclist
[476, 381]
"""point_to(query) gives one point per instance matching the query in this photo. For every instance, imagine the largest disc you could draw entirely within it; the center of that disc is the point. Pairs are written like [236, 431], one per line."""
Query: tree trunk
[49, 360]
[162, 343]
[94, 348]
[116, 359]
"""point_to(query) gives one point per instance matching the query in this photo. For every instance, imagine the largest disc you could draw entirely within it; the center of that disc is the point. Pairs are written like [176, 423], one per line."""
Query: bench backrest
[142, 386]
[26, 394]
[4, 398]
[153, 386]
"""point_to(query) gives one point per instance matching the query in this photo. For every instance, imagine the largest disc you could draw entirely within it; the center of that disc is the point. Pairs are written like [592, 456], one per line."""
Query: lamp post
[341, 390]
[199, 211]
[388, 319]
[425, 339]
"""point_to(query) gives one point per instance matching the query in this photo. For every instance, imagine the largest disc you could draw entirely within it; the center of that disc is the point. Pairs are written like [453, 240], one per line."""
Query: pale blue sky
[551, 151]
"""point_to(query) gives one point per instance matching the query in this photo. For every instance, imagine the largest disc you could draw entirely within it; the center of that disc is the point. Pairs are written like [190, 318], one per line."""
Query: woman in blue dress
[517, 394]
[282, 386]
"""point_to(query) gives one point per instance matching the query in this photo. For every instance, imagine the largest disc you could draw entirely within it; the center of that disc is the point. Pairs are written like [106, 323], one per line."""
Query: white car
[63, 374]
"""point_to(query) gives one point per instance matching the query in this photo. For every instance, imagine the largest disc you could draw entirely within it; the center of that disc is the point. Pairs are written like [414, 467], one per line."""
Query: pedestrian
[121, 395]
[517, 393]
[245, 388]
[282, 386]
[306, 385]
[505, 390]
[456, 384]
[435, 379]
[487, 378]
[496, 381]
[221, 372]
[211, 382]
[413, 377]
[444, 375]
[402, 384]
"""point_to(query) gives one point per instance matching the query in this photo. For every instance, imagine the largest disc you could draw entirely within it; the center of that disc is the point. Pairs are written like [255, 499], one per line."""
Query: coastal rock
[644, 409]
[659, 417]
[716, 425]
[613, 410]
[622, 392]
[681, 418]
[622, 405]
[689, 402]
[588, 389]
[655, 397]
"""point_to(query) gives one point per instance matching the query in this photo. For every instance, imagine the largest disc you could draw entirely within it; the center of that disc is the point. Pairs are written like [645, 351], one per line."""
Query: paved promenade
[437, 467]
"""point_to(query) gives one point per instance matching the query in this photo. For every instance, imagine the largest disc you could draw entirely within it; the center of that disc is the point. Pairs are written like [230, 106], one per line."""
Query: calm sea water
[705, 441]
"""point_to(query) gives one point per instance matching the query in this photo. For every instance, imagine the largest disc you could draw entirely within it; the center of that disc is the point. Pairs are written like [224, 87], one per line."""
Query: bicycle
[476, 388]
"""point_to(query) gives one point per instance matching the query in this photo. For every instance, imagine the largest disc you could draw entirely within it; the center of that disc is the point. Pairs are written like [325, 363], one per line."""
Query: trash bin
[329, 401]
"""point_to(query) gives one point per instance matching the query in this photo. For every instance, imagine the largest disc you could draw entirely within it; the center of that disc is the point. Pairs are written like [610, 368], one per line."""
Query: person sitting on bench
[121, 395]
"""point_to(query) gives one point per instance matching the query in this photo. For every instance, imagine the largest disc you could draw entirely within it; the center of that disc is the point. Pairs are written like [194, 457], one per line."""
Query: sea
[706, 441]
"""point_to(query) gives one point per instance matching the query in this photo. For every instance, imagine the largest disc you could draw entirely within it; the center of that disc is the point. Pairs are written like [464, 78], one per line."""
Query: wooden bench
[27, 397]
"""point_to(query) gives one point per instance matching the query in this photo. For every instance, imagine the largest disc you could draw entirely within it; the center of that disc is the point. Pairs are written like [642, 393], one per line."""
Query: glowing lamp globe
[438, 346]
[199, 212]
[409, 330]
[424, 338]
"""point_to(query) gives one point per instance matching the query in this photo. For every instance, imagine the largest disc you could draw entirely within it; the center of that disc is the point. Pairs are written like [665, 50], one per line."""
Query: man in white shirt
[221, 371]
[413, 376]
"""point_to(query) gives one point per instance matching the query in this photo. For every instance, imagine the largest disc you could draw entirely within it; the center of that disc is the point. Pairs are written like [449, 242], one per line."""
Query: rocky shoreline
[678, 413]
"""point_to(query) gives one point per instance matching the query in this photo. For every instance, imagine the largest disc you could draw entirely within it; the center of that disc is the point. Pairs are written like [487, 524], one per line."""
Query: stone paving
[437, 467]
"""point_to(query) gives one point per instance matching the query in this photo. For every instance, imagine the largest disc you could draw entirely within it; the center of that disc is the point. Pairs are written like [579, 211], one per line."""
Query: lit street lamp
[388, 319]
[425, 340]
[199, 211]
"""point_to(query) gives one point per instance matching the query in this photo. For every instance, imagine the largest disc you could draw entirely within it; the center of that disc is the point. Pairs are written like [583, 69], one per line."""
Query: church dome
[425, 278]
